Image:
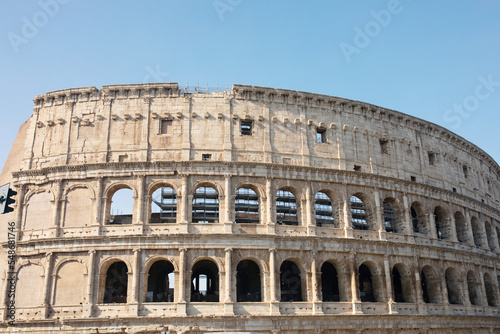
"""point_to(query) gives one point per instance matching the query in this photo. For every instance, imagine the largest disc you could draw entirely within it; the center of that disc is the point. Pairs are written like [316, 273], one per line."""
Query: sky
[436, 60]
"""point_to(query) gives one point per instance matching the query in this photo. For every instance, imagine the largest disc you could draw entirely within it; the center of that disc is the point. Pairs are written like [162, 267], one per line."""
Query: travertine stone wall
[81, 146]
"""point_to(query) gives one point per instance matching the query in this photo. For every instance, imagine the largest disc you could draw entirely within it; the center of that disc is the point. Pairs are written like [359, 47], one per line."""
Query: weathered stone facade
[302, 213]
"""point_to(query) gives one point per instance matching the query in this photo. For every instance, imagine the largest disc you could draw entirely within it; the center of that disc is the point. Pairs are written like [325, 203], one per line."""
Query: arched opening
[461, 227]
[359, 216]
[453, 286]
[161, 282]
[430, 285]
[477, 232]
[489, 235]
[205, 205]
[489, 287]
[248, 285]
[366, 292]
[246, 206]
[390, 217]
[205, 282]
[417, 218]
[115, 287]
[122, 207]
[324, 210]
[164, 206]
[473, 288]
[286, 208]
[290, 282]
[329, 283]
[442, 228]
[397, 286]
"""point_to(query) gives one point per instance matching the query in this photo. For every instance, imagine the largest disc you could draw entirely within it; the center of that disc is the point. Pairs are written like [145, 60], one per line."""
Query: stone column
[317, 306]
[49, 257]
[184, 221]
[99, 209]
[88, 308]
[308, 207]
[379, 216]
[346, 212]
[274, 304]
[181, 302]
[432, 226]
[56, 208]
[20, 205]
[228, 298]
[139, 218]
[136, 270]
[355, 301]
[496, 245]
[407, 223]
[228, 209]
[452, 226]
[392, 309]
[470, 235]
[444, 288]
[271, 214]
[418, 288]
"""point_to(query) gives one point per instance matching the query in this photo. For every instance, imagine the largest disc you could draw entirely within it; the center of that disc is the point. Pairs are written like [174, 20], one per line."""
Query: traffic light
[6, 199]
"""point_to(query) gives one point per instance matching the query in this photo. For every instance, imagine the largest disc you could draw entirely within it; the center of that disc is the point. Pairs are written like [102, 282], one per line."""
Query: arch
[80, 185]
[70, 283]
[77, 207]
[441, 221]
[248, 282]
[163, 205]
[453, 285]
[246, 205]
[205, 282]
[70, 259]
[205, 205]
[161, 282]
[116, 283]
[290, 282]
[402, 284]
[29, 281]
[324, 210]
[489, 287]
[121, 205]
[474, 289]
[286, 208]
[418, 218]
[359, 213]
[366, 286]
[477, 233]
[461, 227]
[430, 283]
[38, 210]
[392, 216]
[330, 288]
[489, 235]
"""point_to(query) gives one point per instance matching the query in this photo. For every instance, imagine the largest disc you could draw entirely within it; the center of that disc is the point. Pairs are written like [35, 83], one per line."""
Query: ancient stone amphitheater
[255, 209]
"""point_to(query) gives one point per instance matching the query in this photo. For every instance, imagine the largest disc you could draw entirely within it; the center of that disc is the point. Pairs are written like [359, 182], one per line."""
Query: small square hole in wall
[454, 190]
[413, 179]
[246, 127]
[206, 157]
[320, 135]
[122, 158]
[357, 168]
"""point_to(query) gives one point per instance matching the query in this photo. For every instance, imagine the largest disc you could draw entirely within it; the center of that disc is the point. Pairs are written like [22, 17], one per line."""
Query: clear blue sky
[437, 60]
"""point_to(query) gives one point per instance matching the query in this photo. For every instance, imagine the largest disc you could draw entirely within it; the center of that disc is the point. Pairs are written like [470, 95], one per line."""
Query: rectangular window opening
[165, 124]
[384, 146]
[320, 135]
[413, 179]
[246, 127]
[206, 157]
[357, 168]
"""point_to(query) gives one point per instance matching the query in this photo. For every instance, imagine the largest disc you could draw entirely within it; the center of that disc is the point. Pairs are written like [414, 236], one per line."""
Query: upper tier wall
[160, 122]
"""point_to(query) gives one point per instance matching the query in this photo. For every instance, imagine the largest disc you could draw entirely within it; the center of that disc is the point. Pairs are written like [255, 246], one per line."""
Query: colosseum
[249, 210]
